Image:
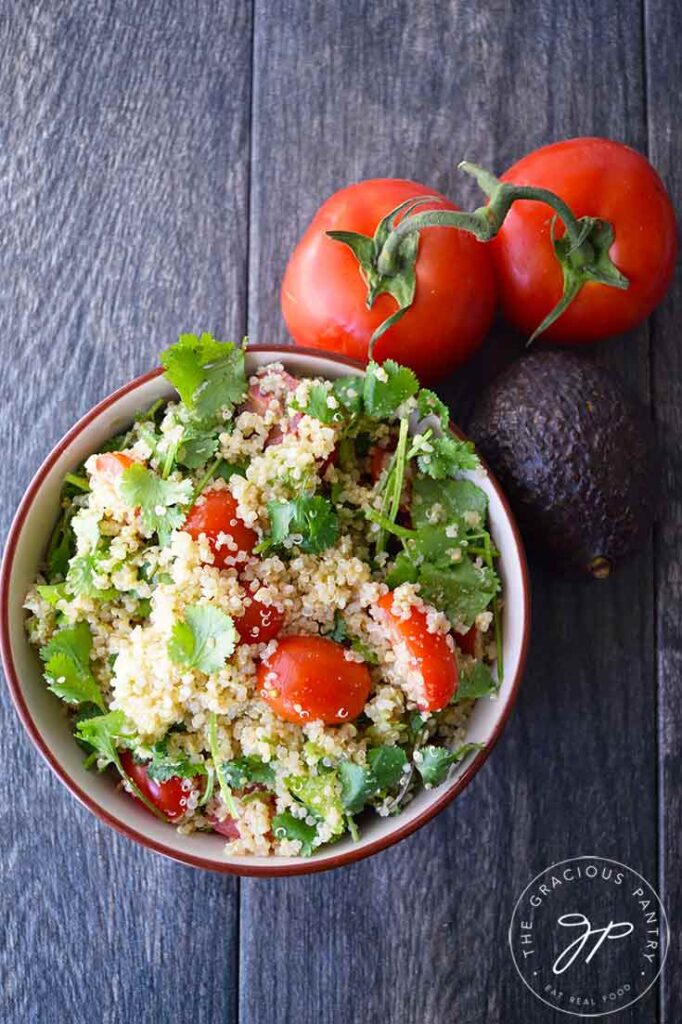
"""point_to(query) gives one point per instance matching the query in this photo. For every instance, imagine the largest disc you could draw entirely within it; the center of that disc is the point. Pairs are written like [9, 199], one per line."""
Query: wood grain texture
[343, 92]
[124, 138]
[664, 67]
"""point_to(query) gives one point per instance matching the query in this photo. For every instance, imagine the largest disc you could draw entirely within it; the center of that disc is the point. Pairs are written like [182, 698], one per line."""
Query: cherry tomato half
[259, 623]
[597, 178]
[324, 294]
[430, 652]
[309, 678]
[216, 513]
[111, 465]
[170, 797]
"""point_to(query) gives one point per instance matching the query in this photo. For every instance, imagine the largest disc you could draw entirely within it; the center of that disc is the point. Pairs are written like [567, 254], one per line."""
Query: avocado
[575, 455]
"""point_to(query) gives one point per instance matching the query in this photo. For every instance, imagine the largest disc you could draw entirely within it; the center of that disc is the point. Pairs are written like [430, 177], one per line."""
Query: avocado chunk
[576, 457]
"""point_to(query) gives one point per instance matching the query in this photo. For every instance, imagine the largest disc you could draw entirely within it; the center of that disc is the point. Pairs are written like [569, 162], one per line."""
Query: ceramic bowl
[42, 714]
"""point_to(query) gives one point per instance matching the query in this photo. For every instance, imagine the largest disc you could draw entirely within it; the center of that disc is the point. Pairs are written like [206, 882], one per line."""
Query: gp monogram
[589, 936]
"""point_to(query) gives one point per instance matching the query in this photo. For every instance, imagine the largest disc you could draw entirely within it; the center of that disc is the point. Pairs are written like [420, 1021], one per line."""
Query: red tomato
[227, 827]
[259, 623]
[597, 178]
[112, 464]
[324, 294]
[308, 678]
[170, 797]
[430, 652]
[215, 513]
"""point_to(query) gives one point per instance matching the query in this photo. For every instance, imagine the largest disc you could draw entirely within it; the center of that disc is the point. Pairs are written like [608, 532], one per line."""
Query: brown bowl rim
[280, 867]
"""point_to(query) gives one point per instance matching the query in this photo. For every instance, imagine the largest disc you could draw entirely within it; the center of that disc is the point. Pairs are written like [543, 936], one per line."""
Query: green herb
[339, 631]
[359, 784]
[81, 579]
[81, 483]
[104, 735]
[433, 763]
[67, 666]
[448, 456]
[454, 496]
[462, 591]
[309, 522]
[62, 544]
[198, 445]
[225, 790]
[429, 404]
[53, 593]
[286, 826]
[159, 500]
[204, 639]
[143, 609]
[208, 374]
[320, 794]
[318, 405]
[381, 397]
[348, 391]
[475, 681]
[164, 766]
[250, 770]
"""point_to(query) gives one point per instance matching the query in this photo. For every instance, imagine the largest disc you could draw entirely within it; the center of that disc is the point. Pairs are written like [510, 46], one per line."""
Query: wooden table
[158, 161]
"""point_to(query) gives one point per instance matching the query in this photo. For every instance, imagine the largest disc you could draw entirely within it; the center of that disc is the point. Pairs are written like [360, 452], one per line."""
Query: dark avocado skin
[575, 455]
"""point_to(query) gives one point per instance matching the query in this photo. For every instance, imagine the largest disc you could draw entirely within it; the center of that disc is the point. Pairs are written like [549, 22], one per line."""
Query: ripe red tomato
[259, 623]
[430, 652]
[324, 294]
[467, 641]
[170, 797]
[309, 678]
[112, 464]
[216, 513]
[597, 178]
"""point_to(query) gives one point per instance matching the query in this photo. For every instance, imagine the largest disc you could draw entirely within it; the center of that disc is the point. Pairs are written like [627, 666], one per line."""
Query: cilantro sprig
[204, 639]
[208, 375]
[161, 502]
[433, 763]
[286, 826]
[309, 522]
[67, 666]
[360, 784]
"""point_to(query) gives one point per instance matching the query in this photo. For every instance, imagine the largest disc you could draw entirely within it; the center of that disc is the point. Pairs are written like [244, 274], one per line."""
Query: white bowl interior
[48, 712]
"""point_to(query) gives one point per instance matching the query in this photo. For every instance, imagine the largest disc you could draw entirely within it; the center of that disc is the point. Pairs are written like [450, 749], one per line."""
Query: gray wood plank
[124, 140]
[664, 67]
[344, 92]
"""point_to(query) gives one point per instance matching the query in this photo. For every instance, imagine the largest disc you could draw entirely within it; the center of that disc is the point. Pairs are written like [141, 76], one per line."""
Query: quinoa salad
[270, 606]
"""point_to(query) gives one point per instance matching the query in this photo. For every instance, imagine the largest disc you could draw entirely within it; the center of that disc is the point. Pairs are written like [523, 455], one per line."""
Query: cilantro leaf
[157, 499]
[286, 826]
[386, 387]
[318, 405]
[348, 391]
[62, 545]
[359, 784]
[246, 771]
[81, 579]
[449, 455]
[309, 522]
[429, 404]
[53, 593]
[320, 794]
[455, 497]
[164, 766]
[204, 640]
[433, 763]
[67, 666]
[207, 374]
[475, 681]
[198, 445]
[403, 570]
[462, 590]
[104, 734]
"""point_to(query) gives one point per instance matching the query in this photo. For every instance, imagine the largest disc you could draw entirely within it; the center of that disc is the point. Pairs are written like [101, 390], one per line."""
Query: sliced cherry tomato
[111, 465]
[467, 641]
[170, 796]
[259, 623]
[597, 178]
[216, 513]
[324, 294]
[226, 827]
[309, 678]
[429, 651]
